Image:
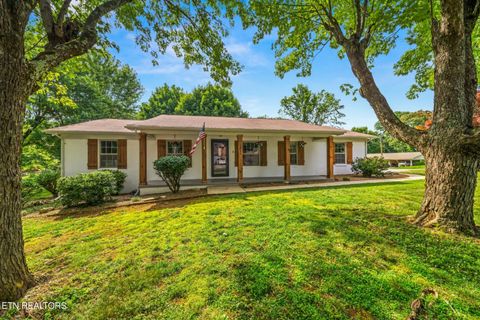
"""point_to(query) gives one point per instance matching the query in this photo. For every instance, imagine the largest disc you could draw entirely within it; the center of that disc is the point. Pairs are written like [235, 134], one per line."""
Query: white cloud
[160, 69]
[244, 52]
[130, 36]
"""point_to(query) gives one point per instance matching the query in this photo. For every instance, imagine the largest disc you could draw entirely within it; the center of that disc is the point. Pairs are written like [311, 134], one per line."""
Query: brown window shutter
[161, 148]
[122, 154]
[236, 148]
[92, 154]
[280, 152]
[349, 152]
[263, 153]
[187, 146]
[301, 153]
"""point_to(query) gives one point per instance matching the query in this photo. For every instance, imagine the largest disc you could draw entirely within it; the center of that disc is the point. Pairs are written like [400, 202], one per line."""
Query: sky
[259, 90]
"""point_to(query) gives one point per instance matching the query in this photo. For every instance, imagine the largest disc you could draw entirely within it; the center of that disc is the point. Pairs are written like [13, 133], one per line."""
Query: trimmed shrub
[370, 167]
[48, 180]
[119, 179]
[88, 188]
[171, 169]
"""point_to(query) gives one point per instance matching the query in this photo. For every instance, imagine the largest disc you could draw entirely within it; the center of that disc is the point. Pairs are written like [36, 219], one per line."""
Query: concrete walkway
[225, 189]
[228, 189]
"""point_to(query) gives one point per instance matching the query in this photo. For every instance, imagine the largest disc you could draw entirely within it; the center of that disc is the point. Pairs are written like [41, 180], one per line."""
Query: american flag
[202, 135]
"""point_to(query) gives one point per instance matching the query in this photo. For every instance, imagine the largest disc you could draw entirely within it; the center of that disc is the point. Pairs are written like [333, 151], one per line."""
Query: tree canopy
[210, 100]
[164, 100]
[93, 86]
[318, 108]
[418, 59]
[361, 30]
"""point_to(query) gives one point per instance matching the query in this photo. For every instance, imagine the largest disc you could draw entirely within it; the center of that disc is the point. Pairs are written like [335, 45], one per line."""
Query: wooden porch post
[143, 159]
[286, 158]
[204, 160]
[330, 157]
[239, 154]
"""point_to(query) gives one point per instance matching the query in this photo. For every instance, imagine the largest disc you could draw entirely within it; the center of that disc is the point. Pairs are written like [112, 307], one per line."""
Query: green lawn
[420, 170]
[337, 253]
[420, 166]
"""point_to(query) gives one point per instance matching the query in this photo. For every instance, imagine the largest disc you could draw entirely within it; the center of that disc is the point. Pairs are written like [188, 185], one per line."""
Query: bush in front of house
[48, 180]
[171, 169]
[119, 179]
[87, 188]
[370, 167]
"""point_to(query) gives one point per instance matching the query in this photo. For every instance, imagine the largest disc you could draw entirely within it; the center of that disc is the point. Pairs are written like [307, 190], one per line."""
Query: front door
[219, 158]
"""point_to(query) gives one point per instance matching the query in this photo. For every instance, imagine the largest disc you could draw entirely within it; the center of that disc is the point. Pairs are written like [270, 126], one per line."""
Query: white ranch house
[235, 150]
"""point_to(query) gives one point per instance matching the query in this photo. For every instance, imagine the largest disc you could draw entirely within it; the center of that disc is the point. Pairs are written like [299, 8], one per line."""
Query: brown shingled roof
[96, 126]
[177, 122]
[353, 134]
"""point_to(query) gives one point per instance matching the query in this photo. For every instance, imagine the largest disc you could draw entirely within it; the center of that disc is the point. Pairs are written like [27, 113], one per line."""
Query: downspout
[62, 156]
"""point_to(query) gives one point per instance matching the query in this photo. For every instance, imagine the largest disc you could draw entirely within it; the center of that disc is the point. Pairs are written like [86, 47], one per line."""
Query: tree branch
[355, 49]
[63, 11]
[101, 11]
[47, 19]
[359, 19]
[370, 91]
[55, 54]
[332, 24]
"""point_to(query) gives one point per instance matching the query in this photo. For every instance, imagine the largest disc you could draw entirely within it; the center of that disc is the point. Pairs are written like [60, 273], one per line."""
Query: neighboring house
[399, 158]
[267, 149]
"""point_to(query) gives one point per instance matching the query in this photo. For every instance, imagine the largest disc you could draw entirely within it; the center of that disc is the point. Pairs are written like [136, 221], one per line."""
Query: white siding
[75, 156]
[75, 153]
[358, 150]
[315, 157]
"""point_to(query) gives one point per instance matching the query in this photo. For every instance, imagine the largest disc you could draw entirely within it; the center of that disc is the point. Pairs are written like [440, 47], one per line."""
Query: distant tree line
[385, 142]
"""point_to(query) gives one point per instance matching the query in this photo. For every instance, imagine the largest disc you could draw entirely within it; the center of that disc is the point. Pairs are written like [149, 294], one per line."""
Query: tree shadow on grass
[363, 266]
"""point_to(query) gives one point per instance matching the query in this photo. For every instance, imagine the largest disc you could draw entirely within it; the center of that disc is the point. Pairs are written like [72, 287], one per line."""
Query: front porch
[319, 165]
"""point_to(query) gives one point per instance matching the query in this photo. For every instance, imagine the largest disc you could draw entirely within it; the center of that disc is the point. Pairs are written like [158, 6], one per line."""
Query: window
[340, 153]
[294, 152]
[108, 154]
[251, 154]
[175, 148]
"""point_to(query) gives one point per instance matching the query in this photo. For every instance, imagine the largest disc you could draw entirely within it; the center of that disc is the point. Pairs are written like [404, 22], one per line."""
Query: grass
[420, 170]
[420, 166]
[336, 253]
[40, 193]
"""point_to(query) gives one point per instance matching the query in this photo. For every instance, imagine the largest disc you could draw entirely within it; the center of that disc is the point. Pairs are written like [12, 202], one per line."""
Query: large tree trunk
[15, 86]
[451, 169]
[451, 178]
[15, 278]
